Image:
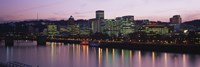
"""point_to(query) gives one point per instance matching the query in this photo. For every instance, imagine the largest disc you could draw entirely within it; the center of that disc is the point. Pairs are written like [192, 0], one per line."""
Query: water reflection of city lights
[131, 61]
[52, 52]
[153, 59]
[99, 57]
[107, 56]
[122, 58]
[113, 57]
[165, 60]
[184, 60]
[139, 58]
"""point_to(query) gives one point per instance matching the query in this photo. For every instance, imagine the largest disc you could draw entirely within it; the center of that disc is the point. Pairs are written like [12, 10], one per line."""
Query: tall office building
[98, 22]
[99, 14]
[175, 23]
[176, 19]
[128, 18]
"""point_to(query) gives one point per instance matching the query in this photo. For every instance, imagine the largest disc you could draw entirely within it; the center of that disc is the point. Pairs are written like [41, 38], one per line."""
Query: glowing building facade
[52, 30]
[72, 27]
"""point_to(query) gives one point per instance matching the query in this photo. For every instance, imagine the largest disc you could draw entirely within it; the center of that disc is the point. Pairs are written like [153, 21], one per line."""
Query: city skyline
[62, 9]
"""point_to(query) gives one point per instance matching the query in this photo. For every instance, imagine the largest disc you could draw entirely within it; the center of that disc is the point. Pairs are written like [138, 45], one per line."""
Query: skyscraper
[99, 14]
[98, 23]
[128, 18]
[176, 19]
[175, 22]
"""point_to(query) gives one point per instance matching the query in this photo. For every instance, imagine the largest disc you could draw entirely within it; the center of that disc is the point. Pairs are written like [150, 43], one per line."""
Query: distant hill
[193, 23]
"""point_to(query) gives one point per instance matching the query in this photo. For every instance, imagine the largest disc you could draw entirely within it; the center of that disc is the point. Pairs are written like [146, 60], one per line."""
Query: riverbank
[174, 48]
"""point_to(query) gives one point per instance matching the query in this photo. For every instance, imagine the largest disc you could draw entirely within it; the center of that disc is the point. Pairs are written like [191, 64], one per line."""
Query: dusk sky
[154, 10]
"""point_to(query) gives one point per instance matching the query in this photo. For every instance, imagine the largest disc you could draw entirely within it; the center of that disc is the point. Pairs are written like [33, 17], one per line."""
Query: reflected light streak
[113, 57]
[139, 58]
[184, 60]
[59, 43]
[165, 59]
[52, 52]
[122, 58]
[131, 61]
[106, 56]
[63, 44]
[73, 45]
[73, 53]
[78, 54]
[99, 57]
[48, 43]
[84, 52]
[87, 55]
[153, 59]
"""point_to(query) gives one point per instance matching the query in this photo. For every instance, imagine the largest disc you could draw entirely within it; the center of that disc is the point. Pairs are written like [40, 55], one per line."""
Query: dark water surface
[75, 55]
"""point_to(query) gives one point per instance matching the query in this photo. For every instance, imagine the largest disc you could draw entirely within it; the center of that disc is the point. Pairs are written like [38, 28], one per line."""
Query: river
[76, 55]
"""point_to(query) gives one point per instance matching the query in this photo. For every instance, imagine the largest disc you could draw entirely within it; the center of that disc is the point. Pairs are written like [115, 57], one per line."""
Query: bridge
[41, 40]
